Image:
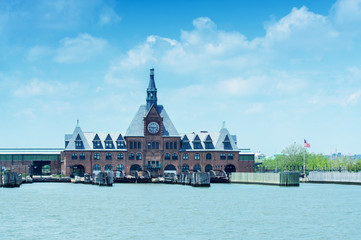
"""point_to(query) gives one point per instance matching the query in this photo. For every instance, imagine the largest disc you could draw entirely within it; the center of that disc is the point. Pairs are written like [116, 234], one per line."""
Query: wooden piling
[11, 179]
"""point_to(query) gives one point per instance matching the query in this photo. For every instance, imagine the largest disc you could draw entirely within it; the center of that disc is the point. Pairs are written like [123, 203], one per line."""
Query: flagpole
[304, 164]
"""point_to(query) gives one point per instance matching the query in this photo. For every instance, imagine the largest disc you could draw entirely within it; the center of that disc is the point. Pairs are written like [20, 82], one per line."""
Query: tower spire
[151, 91]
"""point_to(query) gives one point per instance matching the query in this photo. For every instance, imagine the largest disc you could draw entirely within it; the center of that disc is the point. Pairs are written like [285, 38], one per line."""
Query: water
[158, 211]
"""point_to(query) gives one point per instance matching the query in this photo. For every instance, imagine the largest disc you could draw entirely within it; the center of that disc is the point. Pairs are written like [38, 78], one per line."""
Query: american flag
[306, 144]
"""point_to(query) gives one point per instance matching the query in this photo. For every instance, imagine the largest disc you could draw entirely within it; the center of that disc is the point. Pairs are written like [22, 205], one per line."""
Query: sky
[277, 72]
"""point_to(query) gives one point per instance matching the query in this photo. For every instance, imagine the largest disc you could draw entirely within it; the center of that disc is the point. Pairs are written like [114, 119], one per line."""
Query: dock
[334, 177]
[280, 178]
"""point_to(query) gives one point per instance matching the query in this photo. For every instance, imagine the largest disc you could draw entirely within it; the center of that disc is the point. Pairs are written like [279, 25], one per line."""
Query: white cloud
[38, 52]
[108, 16]
[79, 49]
[255, 108]
[37, 87]
[354, 97]
[346, 12]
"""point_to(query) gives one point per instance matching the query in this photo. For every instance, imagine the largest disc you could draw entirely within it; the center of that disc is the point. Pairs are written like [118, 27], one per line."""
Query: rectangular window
[81, 156]
[139, 145]
[131, 145]
[74, 156]
[157, 145]
[96, 156]
[153, 145]
[223, 156]
[171, 145]
[175, 145]
[149, 145]
[166, 145]
[230, 156]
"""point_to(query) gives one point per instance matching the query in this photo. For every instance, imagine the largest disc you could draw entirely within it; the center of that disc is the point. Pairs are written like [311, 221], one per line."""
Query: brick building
[152, 143]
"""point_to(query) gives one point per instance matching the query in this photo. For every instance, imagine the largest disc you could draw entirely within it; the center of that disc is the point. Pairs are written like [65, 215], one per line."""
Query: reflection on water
[159, 211]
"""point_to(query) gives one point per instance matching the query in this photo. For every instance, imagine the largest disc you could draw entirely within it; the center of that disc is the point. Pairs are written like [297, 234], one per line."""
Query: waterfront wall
[335, 177]
[281, 179]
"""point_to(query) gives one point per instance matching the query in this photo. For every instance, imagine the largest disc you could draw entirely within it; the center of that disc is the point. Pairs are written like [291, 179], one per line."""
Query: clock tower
[151, 91]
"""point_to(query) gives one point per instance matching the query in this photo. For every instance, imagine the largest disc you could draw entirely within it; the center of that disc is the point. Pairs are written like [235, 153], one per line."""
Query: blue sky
[276, 72]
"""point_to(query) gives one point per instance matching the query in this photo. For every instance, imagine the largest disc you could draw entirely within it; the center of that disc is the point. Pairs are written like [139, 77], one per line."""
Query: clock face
[153, 127]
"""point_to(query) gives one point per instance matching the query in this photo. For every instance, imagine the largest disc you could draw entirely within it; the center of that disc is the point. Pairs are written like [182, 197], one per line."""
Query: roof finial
[224, 124]
[77, 123]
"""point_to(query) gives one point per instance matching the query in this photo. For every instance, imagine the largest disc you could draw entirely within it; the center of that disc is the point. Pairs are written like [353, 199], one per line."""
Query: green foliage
[292, 157]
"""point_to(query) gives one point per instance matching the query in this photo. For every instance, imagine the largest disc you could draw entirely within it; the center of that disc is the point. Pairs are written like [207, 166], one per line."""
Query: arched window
[197, 167]
[208, 168]
[230, 156]
[209, 156]
[170, 167]
[108, 168]
[223, 156]
[120, 167]
[197, 156]
[96, 156]
[139, 156]
[175, 156]
[120, 156]
[185, 168]
[74, 156]
[108, 156]
[96, 168]
[131, 156]
[185, 156]
[167, 156]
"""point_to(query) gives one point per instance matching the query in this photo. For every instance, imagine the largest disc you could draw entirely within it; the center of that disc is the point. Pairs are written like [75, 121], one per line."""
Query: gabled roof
[120, 138]
[217, 139]
[136, 127]
[89, 137]
[108, 138]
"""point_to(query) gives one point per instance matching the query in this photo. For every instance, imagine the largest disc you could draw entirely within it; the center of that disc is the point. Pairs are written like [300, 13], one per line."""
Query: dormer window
[108, 142]
[79, 143]
[185, 143]
[109, 145]
[120, 144]
[97, 144]
[227, 143]
[208, 143]
[197, 143]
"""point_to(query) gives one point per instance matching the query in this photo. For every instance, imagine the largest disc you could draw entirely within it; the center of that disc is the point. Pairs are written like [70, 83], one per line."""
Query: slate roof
[217, 140]
[136, 127]
[87, 138]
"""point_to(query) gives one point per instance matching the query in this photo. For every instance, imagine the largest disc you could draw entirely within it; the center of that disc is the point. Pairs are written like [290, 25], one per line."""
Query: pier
[334, 177]
[280, 178]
